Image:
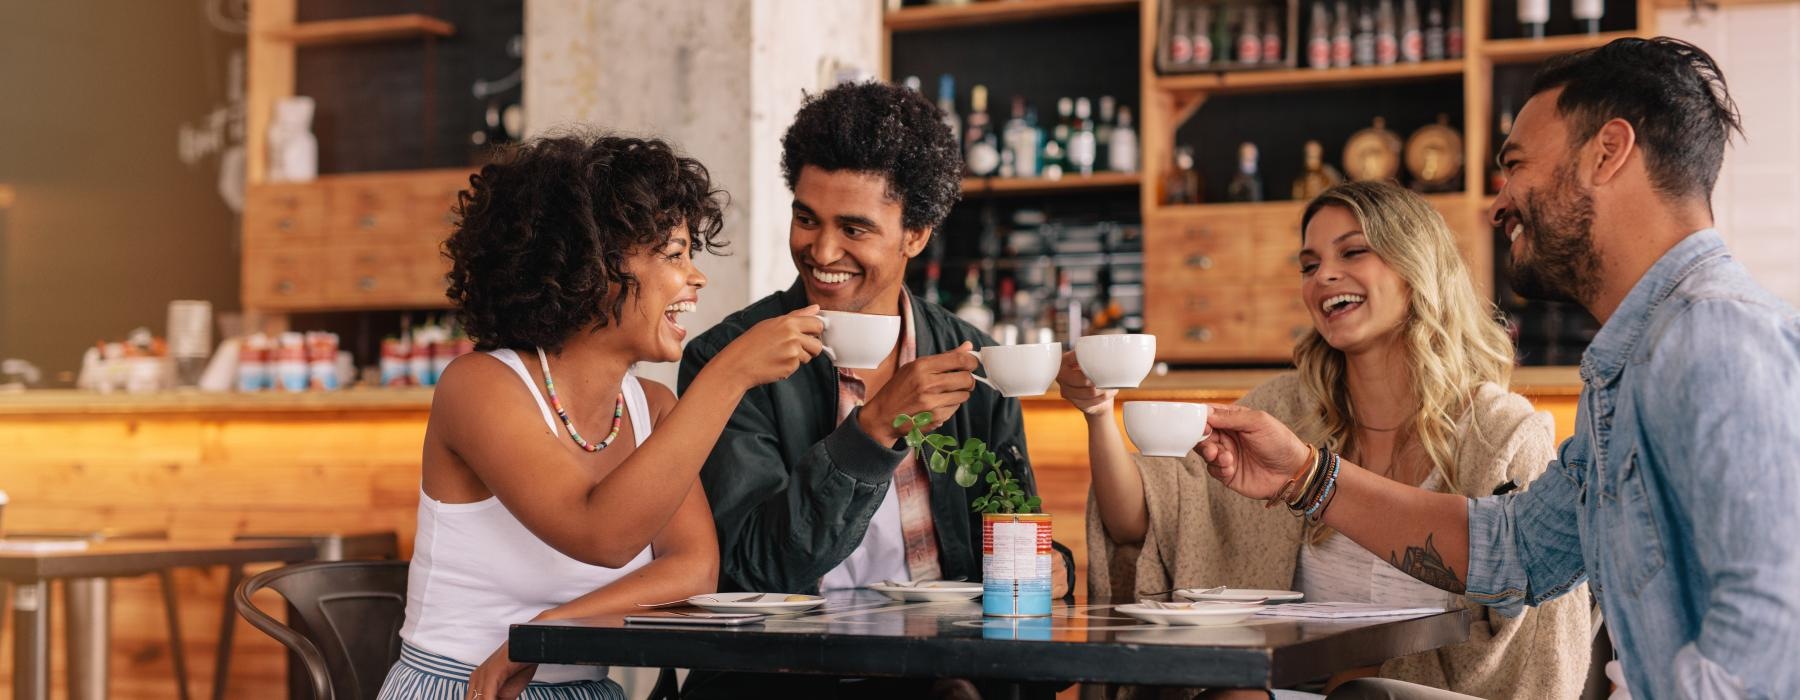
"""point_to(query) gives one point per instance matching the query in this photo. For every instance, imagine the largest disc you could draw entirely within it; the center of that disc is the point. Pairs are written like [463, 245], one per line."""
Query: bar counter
[210, 467]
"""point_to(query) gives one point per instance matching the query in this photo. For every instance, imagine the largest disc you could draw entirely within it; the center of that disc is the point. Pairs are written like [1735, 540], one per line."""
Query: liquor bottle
[1056, 148]
[974, 307]
[1199, 29]
[1434, 32]
[1588, 13]
[1533, 15]
[947, 104]
[1453, 32]
[1365, 36]
[1122, 153]
[1249, 43]
[1103, 132]
[1342, 47]
[1221, 35]
[1317, 175]
[1246, 186]
[1007, 330]
[981, 149]
[1182, 186]
[1387, 39]
[1318, 42]
[1412, 42]
[1271, 37]
[1083, 147]
[1181, 38]
[1021, 141]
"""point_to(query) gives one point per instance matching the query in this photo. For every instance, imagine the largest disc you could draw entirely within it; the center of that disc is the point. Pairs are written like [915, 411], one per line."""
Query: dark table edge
[981, 659]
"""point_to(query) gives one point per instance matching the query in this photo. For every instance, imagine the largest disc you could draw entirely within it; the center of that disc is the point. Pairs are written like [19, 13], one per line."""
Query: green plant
[971, 458]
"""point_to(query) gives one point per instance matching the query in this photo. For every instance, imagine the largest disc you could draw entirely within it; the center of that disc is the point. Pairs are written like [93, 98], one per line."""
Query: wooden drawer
[433, 201]
[1280, 321]
[1200, 322]
[370, 210]
[365, 276]
[281, 277]
[1209, 249]
[284, 214]
[1276, 250]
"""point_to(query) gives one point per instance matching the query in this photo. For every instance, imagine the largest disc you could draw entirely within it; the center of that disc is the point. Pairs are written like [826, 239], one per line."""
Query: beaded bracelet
[1316, 506]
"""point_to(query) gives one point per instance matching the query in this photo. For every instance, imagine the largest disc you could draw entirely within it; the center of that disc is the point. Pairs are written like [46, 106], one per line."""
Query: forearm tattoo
[1425, 564]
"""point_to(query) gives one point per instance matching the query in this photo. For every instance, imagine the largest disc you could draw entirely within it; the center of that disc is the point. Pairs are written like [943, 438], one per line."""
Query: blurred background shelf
[363, 29]
[929, 17]
[1001, 186]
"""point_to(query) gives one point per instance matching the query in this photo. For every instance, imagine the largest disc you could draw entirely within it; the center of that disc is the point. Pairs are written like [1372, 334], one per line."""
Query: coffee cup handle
[984, 380]
[825, 325]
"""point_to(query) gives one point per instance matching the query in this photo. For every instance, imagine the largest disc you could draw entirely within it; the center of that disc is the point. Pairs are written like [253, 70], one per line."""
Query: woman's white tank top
[476, 569]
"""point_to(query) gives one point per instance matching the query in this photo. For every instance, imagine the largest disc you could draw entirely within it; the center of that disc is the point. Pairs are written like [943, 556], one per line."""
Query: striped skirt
[422, 675]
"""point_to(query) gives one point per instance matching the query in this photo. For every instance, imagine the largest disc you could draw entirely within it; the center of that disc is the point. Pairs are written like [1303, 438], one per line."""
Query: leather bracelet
[1309, 488]
[1286, 493]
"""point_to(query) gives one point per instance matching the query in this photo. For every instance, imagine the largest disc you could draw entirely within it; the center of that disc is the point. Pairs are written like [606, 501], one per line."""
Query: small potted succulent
[1015, 535]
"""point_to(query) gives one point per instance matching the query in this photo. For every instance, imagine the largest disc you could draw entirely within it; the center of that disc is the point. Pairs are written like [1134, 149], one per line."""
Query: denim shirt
[1679, 494]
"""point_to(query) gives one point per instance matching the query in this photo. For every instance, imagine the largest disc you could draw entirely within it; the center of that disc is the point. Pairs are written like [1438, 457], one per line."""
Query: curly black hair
[884, 129]
[543, 233]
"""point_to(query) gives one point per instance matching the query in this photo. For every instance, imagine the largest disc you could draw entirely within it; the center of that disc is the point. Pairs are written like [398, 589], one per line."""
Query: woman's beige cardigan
[1202, 534]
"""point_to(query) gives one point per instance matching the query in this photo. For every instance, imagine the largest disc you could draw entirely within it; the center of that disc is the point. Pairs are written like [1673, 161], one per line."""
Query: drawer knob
[285, 224]
[367, 221]
[1200, 333]
[284, 287]
[365, 283]
[1200, 260]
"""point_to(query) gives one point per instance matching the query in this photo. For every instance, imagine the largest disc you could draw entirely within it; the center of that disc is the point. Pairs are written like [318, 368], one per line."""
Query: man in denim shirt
[1679, 495]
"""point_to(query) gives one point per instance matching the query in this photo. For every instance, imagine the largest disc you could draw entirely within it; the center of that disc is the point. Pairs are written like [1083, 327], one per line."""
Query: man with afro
[811, 485]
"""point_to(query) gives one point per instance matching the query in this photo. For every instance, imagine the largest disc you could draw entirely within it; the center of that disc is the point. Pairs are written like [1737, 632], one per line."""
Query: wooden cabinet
[349, 241]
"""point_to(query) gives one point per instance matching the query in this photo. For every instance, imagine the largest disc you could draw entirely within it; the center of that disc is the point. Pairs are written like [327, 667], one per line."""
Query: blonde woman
[1405, 369]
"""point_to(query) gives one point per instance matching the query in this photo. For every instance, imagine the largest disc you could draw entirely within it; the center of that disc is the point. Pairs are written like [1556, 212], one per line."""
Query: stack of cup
[190, 338]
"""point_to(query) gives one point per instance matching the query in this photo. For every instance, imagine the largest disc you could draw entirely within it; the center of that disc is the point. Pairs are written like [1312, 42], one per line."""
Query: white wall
[1757, 202]
[721, 79]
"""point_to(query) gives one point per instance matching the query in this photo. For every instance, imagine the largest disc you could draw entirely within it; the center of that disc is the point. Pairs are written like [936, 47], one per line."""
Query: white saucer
[942, 591]
[1242, 595]
[770, 603]
[1196, 614]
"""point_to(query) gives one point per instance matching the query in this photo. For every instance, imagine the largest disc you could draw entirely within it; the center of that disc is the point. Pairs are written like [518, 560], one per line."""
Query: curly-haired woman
[544, 499]
[1405, 369]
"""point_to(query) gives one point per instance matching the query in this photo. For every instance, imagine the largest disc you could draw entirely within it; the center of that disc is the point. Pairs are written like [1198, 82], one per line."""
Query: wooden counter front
[210, 467]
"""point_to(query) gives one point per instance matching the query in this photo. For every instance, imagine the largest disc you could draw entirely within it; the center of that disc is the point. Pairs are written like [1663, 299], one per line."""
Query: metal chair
[350, 611]
[332, 546]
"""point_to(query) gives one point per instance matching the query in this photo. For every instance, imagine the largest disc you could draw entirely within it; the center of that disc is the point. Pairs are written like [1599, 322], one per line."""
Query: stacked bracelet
[1288, 490]
[1316, 508]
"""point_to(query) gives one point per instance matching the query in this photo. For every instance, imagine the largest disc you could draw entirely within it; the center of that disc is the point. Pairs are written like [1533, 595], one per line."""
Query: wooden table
[85, 573]
[861, 633]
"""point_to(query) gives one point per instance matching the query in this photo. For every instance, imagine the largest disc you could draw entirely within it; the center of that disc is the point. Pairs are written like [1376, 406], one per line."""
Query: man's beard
[1560, 264]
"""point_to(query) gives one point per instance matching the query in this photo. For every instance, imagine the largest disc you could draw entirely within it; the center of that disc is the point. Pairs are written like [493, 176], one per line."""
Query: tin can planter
[1015, 565]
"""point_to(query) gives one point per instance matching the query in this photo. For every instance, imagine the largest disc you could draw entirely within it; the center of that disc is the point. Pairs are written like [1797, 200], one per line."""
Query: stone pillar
[721, 79]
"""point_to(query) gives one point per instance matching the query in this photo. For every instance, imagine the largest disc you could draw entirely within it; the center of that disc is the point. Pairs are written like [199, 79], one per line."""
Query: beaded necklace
[550, 388]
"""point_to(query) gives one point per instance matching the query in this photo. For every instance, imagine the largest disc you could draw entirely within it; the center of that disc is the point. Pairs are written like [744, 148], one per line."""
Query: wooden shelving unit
[1001, 186]
[1306, 78]
[362, 29]
[1503, 51]
[929, 17]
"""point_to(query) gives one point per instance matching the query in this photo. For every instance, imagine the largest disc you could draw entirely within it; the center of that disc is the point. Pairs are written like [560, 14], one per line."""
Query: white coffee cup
[859, 341]
[1116, 361]
[1165, 428]
[1021, 370]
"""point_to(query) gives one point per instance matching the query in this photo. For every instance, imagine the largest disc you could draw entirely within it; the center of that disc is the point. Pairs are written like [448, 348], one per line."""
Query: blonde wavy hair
[1453, 338]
